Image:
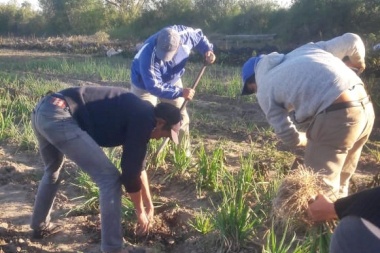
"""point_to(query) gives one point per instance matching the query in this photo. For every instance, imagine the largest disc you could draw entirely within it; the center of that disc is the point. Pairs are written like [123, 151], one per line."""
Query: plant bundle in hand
[291, 202]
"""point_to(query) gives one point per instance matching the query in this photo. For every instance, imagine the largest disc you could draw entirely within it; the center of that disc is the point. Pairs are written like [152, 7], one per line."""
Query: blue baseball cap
[248, 70]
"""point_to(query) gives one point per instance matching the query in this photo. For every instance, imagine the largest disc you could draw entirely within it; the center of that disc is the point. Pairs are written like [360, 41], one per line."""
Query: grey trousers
[184, 135]
[335, 143]
[58, 134]
[352, 236]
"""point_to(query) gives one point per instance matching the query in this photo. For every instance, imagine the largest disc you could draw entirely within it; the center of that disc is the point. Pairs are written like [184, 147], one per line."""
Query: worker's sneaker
[49, 230]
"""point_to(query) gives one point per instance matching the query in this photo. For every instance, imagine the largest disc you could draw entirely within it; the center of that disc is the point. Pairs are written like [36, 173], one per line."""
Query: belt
[58, 100]
[345, 105]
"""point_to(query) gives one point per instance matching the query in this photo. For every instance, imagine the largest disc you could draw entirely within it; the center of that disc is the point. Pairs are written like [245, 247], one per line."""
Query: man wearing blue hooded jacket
[159, 65]
[320, 83]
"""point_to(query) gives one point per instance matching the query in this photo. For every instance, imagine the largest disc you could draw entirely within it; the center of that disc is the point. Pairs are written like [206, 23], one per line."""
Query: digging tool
[163, 144]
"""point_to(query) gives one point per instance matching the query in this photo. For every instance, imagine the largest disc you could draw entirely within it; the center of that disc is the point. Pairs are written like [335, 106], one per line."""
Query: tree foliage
[304, 21]
[19, 20]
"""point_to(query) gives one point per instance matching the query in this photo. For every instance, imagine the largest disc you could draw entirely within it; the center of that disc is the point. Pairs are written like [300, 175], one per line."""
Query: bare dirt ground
[177, 201]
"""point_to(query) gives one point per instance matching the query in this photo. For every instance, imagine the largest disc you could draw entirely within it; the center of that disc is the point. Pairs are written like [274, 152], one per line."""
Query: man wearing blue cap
[319, 82]
[159, 65]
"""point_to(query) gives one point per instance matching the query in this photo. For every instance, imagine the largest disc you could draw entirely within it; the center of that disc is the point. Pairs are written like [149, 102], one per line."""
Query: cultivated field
[220, 200]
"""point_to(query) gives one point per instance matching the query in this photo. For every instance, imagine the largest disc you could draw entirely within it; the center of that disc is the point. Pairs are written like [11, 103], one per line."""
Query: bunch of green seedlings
[210, 168]
[180, 159]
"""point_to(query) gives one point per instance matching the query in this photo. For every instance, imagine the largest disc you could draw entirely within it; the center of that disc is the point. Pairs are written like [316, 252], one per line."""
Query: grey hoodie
[306, 80]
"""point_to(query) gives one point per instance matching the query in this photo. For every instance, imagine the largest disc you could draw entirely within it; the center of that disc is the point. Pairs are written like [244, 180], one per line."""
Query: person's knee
[51, 178]
[352, 227]
[108, 180]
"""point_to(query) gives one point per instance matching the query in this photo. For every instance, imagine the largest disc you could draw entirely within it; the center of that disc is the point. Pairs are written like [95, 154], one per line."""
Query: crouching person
[76, 123]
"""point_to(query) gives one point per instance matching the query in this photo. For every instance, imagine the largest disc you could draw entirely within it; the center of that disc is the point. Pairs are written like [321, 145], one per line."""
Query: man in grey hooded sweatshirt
[319, 82]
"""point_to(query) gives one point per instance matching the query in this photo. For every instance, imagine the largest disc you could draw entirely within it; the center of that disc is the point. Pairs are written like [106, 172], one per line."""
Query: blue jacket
[157, 77]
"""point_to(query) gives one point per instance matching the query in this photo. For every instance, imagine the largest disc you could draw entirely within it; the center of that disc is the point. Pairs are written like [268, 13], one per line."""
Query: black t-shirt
[112, 117]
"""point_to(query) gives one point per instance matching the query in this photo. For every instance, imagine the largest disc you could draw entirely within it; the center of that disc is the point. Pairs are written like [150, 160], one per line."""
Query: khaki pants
[184, 135]
[335, 142]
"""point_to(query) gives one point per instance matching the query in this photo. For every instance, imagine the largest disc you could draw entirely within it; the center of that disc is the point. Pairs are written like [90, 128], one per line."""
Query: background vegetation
[237, 216]
[304, 20]
[124, 23]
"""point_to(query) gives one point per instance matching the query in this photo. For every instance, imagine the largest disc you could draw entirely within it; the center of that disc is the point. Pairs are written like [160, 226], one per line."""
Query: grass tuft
[292, 198]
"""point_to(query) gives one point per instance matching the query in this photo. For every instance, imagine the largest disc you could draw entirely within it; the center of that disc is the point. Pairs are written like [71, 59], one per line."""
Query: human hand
[321, 209]
[188, 93]
[358, 68]
[210, 57]
[142, 223]
[302, 140]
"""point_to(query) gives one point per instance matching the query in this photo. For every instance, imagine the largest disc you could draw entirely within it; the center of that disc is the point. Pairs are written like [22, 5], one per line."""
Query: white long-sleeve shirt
[306, 80]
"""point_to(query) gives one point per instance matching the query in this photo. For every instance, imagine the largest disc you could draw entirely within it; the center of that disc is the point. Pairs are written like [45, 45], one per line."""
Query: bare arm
[143, 222]
[146, 197]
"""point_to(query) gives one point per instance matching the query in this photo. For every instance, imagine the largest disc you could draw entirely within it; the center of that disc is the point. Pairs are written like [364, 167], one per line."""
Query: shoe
[51, 229]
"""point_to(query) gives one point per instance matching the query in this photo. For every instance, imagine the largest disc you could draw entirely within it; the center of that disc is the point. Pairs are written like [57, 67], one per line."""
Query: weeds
[210, 168]
[320, 238]
[7, 128]
[274, 246]
[235, 219]
[202, 223]
[181, 161]
[156, 159]
[90, 194]
[102, 69]
[375, 153]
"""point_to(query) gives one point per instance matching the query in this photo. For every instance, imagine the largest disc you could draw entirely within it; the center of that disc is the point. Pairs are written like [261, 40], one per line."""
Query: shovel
[163, 144]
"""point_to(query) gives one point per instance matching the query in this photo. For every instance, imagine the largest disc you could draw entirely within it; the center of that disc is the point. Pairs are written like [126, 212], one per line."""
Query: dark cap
[172, 115]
